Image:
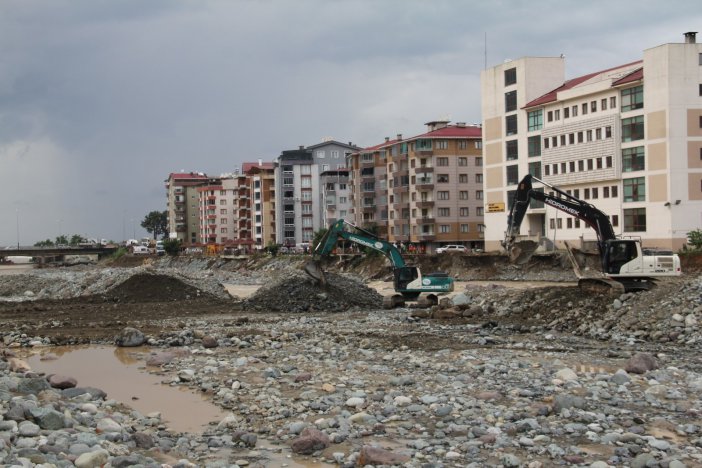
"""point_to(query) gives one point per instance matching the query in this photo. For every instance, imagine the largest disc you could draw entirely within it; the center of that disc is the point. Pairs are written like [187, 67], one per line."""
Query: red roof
[453, 131]
[636, 75]
[380, 146]
[187, 175]
[247, 166]
[552, 95]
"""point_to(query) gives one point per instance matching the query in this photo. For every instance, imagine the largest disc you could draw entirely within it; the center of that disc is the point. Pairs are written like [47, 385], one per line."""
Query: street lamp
[17, 216]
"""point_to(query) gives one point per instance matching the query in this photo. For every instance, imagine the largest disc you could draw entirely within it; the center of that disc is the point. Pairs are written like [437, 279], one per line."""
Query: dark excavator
[623, 263]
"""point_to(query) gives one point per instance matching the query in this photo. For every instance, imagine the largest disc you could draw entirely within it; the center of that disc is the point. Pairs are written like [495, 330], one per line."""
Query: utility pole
[17, 216]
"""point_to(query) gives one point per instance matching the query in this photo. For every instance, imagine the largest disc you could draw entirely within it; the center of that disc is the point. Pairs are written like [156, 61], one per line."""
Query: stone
[61, 381]
[130, 337]
[209, 342]
[93, 459]
[108, 425]
[566, 375]
[311, 440]
[143, 440]
[641, 363]
[33, 385]
[377, 456]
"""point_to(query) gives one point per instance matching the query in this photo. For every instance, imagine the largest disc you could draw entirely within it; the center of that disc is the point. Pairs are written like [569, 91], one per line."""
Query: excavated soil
[300, 293]
[147, 287]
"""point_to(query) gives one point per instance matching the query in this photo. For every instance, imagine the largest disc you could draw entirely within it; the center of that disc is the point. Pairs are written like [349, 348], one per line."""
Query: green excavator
[408, 281]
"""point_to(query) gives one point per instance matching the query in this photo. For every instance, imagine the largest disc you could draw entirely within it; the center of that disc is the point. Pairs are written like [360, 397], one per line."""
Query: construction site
[516, 366]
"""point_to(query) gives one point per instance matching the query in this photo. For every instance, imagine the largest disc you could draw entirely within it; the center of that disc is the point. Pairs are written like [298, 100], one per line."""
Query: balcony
[425, 204]
[426, 236]
[424, 152]
[425, 220]
[425, 168]
[368, 208]
[212, 216]
[424, 184]
[181, 228]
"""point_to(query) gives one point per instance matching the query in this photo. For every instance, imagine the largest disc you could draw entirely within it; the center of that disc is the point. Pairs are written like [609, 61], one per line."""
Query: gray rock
[641, 363]
[130, 337]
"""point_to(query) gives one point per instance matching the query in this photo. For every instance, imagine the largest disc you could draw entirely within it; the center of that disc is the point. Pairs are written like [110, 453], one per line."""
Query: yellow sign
[496, 207]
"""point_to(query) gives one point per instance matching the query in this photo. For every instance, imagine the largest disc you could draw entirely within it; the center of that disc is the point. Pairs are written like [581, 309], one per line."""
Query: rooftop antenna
[485, 52]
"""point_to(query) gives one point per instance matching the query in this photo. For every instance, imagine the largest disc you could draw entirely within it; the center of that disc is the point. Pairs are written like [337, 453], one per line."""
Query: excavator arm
[339, 231]
[521, 251]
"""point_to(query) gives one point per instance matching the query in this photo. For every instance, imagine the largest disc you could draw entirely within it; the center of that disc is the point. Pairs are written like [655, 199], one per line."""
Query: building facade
[299, 211]
[426, 190]
[182, 205]
[627, 140]
[261, 177]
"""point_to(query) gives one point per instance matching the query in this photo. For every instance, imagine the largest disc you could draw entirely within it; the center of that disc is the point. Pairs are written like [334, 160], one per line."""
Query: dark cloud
[100, 100]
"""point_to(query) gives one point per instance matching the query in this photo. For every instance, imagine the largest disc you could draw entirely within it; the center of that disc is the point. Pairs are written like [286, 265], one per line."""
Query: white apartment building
[627, 140]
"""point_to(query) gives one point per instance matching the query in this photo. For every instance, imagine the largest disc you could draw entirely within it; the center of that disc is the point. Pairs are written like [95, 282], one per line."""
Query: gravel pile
[297, 292]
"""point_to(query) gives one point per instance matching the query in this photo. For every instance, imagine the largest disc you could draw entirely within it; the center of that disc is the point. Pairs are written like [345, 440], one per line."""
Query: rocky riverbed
[498, 377]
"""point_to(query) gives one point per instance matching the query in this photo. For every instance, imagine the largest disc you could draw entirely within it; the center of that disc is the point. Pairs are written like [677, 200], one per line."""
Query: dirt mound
[146, 287]
[300, 293]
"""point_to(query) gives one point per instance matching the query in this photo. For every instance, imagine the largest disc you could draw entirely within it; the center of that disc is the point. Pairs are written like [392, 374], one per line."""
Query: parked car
[140, 250]
[452, 248]
[159, 248]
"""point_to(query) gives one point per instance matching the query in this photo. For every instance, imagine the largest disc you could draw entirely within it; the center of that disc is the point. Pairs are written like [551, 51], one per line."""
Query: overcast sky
[100, 100]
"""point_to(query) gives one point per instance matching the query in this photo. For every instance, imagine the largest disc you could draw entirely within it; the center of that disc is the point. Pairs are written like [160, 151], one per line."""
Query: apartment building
[627, 139]
[336, 195]
[426, 190]
[299, 210]
[261, 178]
[225, 212]
[182, 205]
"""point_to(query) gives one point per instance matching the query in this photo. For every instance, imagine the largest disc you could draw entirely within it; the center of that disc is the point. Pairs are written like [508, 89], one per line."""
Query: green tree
[694, 238]
[171, 246]
[62, 240]
[44, 243]
[156, 223]
[76, 239]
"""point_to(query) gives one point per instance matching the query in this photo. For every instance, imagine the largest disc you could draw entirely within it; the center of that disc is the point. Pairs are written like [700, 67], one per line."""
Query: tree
[171, 246]
[694, 238]
[44, 243]
[62, 240]
[156, 223]
[76, 239]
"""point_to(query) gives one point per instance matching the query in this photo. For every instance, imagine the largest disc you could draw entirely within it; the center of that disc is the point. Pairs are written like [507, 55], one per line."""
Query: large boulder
[130, 337]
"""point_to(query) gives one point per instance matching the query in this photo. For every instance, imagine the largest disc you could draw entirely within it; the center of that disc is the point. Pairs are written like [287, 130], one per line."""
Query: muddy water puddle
[121, 374]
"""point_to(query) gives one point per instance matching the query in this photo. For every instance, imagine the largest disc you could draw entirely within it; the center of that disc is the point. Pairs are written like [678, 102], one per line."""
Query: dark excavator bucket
[521, 252]
[314, 269]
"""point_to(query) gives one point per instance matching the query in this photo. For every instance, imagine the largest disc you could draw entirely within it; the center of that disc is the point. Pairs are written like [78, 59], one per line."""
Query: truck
[623, 263]
[408, 281]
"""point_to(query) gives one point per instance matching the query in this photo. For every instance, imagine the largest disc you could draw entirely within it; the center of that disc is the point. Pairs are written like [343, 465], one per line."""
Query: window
[335, 154]
[464, 211]
[442, 178]
[512, 175]
[595, 192]
[613, 102]
[598, 163]
[634, 219]
[223, 202]
[306, 182]
[632, 98]
[634, 189]
[584, 107]
[478, 144]
[586, 194]
[462, 178]
[546, 143]
[443, 195]
[464, 228]
[633, 128]
[557, 114]
[512, 150]
[478, 194]
[462, 161]
[549, 116]
[598, 134]
[605, 192]
[479, 161]
[511, 125]
[590, 165]
[615, 220]
[566, 112]
[463, 195]
[534, 143]
[442, 161]
[444, 212]
[569, 222]
[535, 169]
[444, 228]
[571, 138]
[479, 211]
[563, 140]
[563, 168]
[608, 131]
[571, 166]
[555, 169]
[478, 178]
[536, 119]
[588, 135]
[287, 180]
[462, 144]
[593, 106]
[441, 144]
[320, 154]
[575, 111]
[615, 191]
[510, 101]
[547, 170]
[608, 161]
[510, 76]
[581, 165]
